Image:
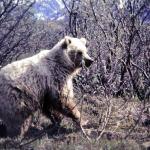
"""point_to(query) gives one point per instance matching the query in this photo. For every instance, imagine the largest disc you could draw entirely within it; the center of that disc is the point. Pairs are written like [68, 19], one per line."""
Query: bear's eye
[79, 53]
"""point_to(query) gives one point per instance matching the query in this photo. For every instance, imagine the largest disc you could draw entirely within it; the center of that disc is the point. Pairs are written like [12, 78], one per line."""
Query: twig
[106, 120]
[82, 129]
[69, 11]
[135, 65]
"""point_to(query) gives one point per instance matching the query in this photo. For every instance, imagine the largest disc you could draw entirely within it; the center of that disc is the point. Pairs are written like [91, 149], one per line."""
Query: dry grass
[110, 123]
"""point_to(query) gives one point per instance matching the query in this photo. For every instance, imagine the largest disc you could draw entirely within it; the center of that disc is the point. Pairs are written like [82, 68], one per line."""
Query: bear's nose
[88, 62]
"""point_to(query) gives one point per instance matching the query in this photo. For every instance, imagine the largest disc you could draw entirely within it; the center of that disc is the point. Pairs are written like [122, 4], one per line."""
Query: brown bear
[41, 82]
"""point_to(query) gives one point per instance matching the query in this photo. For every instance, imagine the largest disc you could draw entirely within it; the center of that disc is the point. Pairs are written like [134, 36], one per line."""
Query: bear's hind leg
[70, 110]
[3, 130]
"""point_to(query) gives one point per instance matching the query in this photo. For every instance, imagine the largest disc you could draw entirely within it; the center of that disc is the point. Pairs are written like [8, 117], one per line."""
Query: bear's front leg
[70, 110]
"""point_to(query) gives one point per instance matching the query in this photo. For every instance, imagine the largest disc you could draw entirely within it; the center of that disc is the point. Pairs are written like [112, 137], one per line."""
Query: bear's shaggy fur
[41, 82]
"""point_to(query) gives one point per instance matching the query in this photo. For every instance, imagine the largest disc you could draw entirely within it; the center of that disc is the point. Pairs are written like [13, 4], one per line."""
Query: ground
[116, 118]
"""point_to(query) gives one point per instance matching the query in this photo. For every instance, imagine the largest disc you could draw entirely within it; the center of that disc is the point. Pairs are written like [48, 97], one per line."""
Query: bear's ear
[83, 40]
[67, 41]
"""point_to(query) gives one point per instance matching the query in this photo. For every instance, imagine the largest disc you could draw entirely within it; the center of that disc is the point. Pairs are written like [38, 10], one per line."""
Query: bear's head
[77, 52]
